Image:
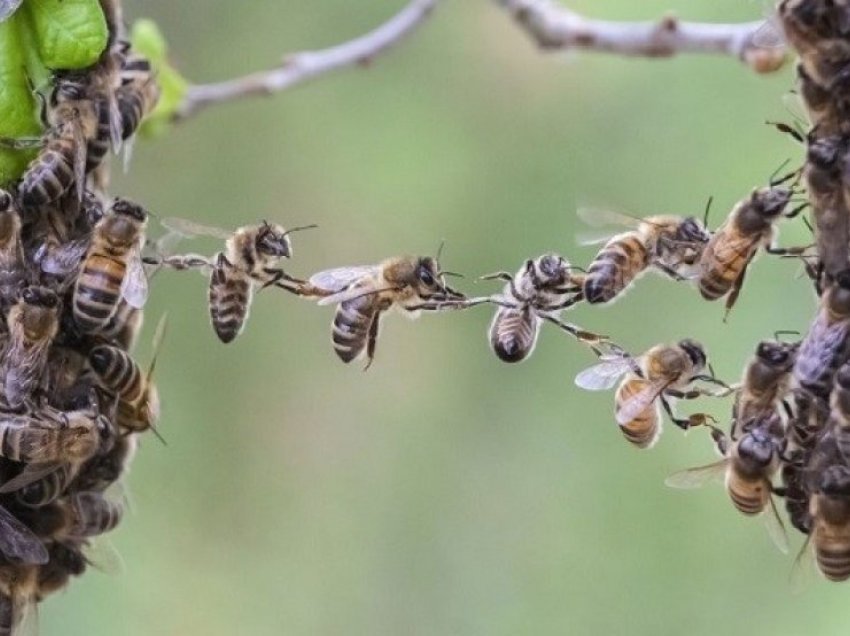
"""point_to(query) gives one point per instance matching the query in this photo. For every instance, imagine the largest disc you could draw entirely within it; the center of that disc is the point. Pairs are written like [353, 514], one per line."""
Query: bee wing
[596, 237]
[134, 287]
[601, 217]
[639, 402]
[189, 229]
[18, 542]
[27, 616]
[775, 527]
[603, 376]
[115, 121]
[769, 34]
[337, 283]
[803, 569]
[65, 259]
[8, 7]
[80, 151]
[31, 473]
[698, 476]
[101, 553]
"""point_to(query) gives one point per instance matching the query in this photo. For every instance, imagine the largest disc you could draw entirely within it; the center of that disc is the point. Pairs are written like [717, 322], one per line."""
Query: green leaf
[70, 33]
[17, 102]
[148, 40]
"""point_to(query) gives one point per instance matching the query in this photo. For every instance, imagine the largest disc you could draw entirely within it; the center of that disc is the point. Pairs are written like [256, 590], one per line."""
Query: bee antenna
[455, 274]
[785, 332]
[707, 208]
[299, 228]
[440, 250]
[159, 436]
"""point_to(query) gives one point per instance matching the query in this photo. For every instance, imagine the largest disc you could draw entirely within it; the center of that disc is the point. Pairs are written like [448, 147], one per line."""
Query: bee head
[775, 354]
[695, 352]
[839, 294]
[6, 200]
[835, 481]
[100, 358]
[68, 86]
[757, 444]
[427, 275]
[770, 202]
[272, 241]
[124, 207]
[552, 269]
[691, 230]
[823, 152]
[39, 297]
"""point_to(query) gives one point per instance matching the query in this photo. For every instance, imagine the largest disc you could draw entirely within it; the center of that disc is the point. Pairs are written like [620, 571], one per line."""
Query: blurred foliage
[43, 35]
[443, 492]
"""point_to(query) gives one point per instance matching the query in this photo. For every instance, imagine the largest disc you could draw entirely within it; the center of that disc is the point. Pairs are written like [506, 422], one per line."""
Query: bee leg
[580, 334]
[672, 273]
[726, 389]
[371, 342]
[683, 423]
[567, 303]
[21, 143]
[735, 291]
[278, 275]
[787, 251]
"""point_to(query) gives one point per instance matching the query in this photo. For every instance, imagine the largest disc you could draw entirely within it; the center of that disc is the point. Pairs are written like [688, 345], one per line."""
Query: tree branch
[555, 27]
[303, 66]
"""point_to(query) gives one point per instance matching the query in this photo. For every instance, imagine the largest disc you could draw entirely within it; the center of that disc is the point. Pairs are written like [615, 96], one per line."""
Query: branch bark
[300, 67]
[555, 27]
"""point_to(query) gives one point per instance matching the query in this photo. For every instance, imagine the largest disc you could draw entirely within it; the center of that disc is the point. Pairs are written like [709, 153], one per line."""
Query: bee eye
[426, 277]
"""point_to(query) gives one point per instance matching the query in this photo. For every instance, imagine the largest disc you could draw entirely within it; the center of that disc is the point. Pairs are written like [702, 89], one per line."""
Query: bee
[830, 513]
[363, 294]
[819, 33]
[766, 381]
[14, 271]
[112, 267]
[749, 463]
[91, 514]
[824, 348]
[540, 290]
[733, 246]
[669, 244]
[825, 159]
[65, 436]
[33, 323]
[124, 327]
[663, 373]
[138, 405]
[251, 258]
[138, 94]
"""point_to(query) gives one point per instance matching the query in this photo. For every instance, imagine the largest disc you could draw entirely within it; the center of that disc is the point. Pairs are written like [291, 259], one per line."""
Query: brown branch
[303, 66]
[555, 27]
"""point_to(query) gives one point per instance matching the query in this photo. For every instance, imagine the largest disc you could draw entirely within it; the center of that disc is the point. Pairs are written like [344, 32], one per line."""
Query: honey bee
[661, 374]
[138, 94]
[540, 290]
[818, 32]
[362, 294]
[669, 244]
[138, 406]
[825, 159]
[766, 380]
[67, 436]
[251, 258]
[112, 268]
[830, 513]
[33, 323]
[91, 514]
[824, 348]
[749, 463]
[733, 246]
[13, 267]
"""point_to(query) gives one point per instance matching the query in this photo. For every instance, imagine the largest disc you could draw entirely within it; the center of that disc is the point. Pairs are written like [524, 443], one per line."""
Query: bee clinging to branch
[671, 245]
[766, 381]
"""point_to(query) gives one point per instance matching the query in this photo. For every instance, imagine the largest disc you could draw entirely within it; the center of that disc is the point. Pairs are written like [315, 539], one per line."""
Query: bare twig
[555, 27]
[303, 66]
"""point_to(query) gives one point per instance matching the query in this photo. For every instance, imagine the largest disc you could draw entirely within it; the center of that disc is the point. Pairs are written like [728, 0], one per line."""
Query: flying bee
[112, 267]
[363, 294]
[138, 398]
[33, 323]
[14, 272]
[661, 374]
[670, 244]
[766, 379]
[749, 463]
[825, 164]
[824, 348]
[540, 290]
[749, 226]
[251, 258]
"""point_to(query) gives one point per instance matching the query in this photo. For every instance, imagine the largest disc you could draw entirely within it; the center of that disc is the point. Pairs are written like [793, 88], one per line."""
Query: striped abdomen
[823, 350]
[50, 174]
[615, 267]
[748, 495]
[352, 323]
[23, 439]
[117, 372]
[98, 146]
[723, 261]
[95, 514]
[643, 430]
[229, 299]
[49, 488]
[97, 291]
[513, 334]
[796, 498]
[123, 327]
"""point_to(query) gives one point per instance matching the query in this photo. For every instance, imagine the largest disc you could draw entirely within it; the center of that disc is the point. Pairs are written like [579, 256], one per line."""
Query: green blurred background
[443, 492]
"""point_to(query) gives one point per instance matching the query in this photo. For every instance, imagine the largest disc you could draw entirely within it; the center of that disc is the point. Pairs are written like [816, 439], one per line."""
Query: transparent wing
[134, 287]
[601, 217]
[775, 527]
[31, 473]
[102, 554]
[340, 278]
[793, 103]
[8, 7]
[80, 149]
[190, 229]
[115, 121]
[803, 570]
[18, 542]
[26, 614]
[698, 476]
[639, 402]
[603, 376]
[596, 237]
[65, 259]
[769, 34]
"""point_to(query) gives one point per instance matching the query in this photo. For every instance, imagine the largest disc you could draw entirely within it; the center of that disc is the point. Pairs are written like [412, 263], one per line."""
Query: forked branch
[300, 67]
[555, 27]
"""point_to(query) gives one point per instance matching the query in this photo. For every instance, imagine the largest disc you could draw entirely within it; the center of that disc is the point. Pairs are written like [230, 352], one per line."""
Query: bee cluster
[72, 288]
